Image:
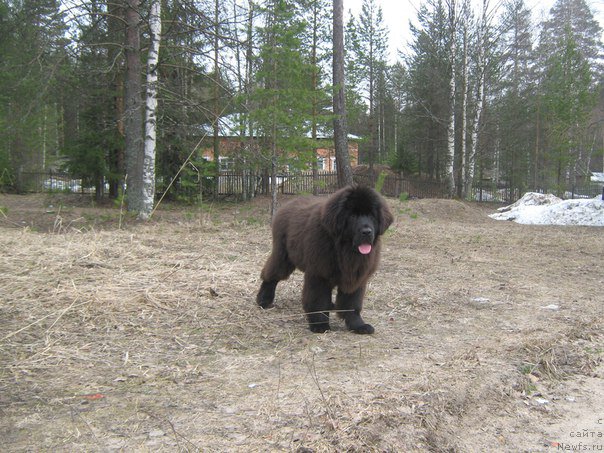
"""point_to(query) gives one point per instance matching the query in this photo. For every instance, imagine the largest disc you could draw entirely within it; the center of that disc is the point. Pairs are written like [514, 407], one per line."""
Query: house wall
[326, 155]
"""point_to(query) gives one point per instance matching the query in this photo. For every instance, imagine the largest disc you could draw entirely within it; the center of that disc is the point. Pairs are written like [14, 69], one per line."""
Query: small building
[231, 140]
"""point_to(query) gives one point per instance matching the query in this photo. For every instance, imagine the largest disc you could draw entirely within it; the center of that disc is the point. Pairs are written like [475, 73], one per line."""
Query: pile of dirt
[116, 334]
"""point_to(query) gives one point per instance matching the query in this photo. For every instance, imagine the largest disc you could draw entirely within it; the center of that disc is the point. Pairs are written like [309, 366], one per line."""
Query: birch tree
[216, 101]
[148, 178]
[450, 172]
[479, 99]
[464, 96]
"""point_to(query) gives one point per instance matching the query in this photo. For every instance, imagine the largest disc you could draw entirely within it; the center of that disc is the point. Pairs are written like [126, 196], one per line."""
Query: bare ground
[116, 335]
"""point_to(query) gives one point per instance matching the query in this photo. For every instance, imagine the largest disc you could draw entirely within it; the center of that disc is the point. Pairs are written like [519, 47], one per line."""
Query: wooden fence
[249, 184]
[327, 182]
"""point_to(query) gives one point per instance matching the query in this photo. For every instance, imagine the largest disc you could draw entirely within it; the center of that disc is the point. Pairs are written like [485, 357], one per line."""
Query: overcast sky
[398, 13]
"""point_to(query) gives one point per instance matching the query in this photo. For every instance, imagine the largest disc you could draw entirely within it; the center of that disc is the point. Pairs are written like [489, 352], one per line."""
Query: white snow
[539, 209]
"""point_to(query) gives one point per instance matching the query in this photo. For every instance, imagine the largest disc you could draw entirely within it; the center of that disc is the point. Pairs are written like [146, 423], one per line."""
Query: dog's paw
[266, 294]
[319, 328]
[264, 302]
[364, 329]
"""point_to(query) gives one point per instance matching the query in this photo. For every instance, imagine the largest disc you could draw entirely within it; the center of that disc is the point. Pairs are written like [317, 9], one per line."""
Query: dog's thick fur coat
[336, 243]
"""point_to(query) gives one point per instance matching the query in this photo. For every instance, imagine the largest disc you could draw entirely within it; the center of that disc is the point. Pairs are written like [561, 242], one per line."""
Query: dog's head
[358, 215]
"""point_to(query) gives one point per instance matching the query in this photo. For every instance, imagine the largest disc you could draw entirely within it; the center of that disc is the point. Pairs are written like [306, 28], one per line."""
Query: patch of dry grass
[147, 337]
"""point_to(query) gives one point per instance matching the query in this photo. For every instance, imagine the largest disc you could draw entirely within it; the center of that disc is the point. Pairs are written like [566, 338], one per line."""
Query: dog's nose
[366, 231]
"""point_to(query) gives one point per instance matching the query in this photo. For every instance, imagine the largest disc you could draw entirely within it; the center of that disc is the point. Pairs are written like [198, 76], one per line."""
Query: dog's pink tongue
[365, 249]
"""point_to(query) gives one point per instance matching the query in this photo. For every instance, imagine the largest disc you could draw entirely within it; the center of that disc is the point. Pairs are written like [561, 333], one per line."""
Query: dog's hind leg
[278, 267]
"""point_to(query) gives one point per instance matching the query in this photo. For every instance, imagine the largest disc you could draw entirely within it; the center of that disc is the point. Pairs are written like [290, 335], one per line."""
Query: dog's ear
[333, 216]
[385, 217]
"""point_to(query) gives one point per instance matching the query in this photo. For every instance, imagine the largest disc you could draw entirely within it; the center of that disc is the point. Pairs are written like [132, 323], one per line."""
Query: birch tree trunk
[480, 99]
[148, 188]
[464, 109]
[314, 84]
[249, 54]
[340, 134]
[450, 175]
[215, 103]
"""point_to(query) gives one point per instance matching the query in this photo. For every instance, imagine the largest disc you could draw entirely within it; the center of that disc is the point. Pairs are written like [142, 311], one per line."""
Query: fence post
[19, 179]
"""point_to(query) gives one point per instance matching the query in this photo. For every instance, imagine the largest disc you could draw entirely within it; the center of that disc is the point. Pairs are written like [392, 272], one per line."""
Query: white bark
[151, 112]
[452, 87]
[481, 66]
[464, 104]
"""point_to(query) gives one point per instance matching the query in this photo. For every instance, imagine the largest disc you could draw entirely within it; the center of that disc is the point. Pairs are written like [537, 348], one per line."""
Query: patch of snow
[532, 199]
[539, 209]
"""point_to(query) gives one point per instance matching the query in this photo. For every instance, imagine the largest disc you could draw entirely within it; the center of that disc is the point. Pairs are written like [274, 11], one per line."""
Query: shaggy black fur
[336, 243]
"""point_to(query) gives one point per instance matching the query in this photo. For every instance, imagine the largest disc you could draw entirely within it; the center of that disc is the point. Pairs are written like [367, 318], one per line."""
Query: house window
[226, 163]
[321, 163]
[333, 164]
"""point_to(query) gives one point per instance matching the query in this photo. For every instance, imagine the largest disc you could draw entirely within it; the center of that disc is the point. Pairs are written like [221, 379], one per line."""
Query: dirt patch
[145, 336]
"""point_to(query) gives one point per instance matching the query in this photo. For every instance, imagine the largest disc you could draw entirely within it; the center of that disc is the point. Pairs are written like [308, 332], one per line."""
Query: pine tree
[283, 98]
[573, 18]
[428, 91]
[567, 100]
[133, 118]
[516, 159]
[571, 48]
[93, 141]
[401, 159]
[316, 45]
[366, 56]
[33, 58]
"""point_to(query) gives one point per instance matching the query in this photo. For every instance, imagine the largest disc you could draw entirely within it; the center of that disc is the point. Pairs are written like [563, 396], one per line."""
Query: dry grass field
[118, 335]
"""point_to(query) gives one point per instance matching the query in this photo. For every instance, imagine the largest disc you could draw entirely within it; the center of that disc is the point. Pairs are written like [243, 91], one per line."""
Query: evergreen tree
[33, 58]
[570, 47]
[515, 106]
[133, 113]
[317, 41]
[401, 157]
[572, 18]
[194, 89]
[283, 97]
[428, 91]
[93, 142]
[567, 99]
[367, 48]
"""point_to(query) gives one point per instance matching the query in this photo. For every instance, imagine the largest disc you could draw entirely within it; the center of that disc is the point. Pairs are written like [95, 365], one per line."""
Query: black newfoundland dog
[335, 242]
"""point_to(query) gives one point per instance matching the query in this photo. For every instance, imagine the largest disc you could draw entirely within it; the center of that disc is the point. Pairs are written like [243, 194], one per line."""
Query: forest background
[481, 95]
